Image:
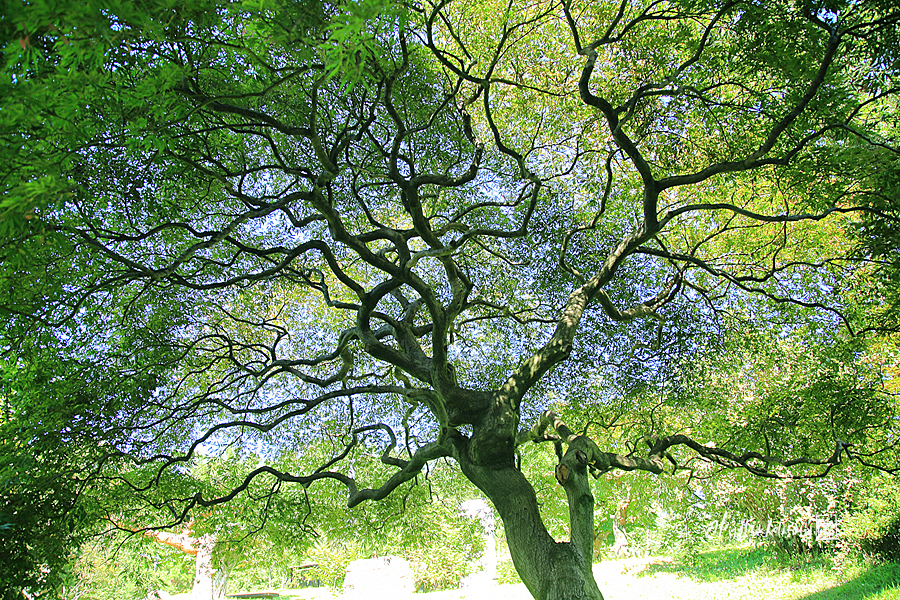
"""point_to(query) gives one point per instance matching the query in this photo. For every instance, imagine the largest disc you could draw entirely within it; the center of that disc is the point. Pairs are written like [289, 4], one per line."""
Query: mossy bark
[551, 570]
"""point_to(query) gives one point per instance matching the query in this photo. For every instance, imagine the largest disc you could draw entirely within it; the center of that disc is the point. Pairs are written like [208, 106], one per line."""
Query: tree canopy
[433, 228]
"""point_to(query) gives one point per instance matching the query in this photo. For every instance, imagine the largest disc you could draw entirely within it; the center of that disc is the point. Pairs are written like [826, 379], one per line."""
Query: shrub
[333, 558]
[506, 572]
[873, 528]
[445, 553]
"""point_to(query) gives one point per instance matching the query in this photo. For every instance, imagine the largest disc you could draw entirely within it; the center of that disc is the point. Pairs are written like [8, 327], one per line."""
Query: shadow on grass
[717, 565]
[878, 583]
[874, 583]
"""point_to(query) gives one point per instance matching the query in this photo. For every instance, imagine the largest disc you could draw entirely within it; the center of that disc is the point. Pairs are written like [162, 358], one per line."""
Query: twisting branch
[754, 462]
[407, 470]
[550, 427]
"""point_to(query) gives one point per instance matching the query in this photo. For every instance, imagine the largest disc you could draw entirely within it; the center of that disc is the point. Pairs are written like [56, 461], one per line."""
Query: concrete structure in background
[381, 577]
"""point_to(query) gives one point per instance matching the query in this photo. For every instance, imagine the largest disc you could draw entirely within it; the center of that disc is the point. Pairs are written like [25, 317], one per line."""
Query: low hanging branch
[200, 547]
[406, 470]
[183, 541]
[551, 428]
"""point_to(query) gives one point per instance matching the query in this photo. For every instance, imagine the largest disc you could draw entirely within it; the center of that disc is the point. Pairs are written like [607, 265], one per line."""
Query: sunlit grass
[729, 574]
[746, 573]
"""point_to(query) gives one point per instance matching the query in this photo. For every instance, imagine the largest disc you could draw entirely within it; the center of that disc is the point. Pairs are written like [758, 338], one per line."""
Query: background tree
[258, 539]
[414, 225]
[49, 453]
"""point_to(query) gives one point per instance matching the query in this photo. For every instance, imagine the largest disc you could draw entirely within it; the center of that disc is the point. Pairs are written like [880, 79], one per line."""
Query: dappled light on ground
[741, 575]
[734, 574]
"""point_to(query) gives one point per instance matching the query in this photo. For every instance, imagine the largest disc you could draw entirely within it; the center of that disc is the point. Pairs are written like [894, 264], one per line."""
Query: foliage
[49, 449]
[424, 525]
[123, 567]
[506, 573]
[873, 528]
[407, 231]
[259, 536]
[835, 390]
[444, 551]
[333, 558]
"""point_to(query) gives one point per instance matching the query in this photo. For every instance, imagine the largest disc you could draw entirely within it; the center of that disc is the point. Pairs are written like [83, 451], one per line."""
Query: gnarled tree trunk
[551, 570]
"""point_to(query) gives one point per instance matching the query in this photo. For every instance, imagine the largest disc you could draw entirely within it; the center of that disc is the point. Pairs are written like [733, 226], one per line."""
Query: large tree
[421, 225]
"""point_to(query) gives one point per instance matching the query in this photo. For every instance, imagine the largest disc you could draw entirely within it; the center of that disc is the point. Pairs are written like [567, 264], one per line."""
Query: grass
[745, 574]
[729, 574]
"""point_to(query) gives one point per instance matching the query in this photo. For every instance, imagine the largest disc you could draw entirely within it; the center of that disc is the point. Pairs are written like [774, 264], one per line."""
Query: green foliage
[48, 448]
[873, 527]
[359, 36]
[795, 392]
[423, 525]
[506, 573]
[260, 256]
[125, 567]
[681, 530]
[260, 535]
[441, 545]
[333, 556]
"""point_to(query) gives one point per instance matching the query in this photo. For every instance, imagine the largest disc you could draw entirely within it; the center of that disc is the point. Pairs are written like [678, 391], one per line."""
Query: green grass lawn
[730, 574]
[745, 574]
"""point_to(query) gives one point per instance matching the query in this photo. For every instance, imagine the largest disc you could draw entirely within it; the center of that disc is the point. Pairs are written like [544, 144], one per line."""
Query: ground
[719, 575]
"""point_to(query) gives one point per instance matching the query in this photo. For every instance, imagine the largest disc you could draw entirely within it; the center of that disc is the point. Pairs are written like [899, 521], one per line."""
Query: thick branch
[551, 428]
[559, 346]
[183, 541]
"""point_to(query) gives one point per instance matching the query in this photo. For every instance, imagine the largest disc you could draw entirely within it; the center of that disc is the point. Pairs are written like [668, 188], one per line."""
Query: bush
[445, 554]
[873, 529]
[506, 572]
[124, 567]
[333, 558]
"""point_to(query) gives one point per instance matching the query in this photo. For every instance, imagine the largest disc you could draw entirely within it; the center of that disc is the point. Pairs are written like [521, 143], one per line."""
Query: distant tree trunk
[484, 512]
[621, 544]
[201, 547]
[203, 588]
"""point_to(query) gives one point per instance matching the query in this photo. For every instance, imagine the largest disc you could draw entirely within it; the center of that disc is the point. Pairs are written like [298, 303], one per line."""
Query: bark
[203, 588]
[551, 570]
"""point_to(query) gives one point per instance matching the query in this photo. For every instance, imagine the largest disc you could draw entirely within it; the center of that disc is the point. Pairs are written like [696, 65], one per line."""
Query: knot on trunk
[562, 473]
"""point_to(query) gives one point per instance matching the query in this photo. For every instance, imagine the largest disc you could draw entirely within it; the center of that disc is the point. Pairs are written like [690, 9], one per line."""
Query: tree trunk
[551, 570]
[621, 543]
[203, 588]
[201, 548]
